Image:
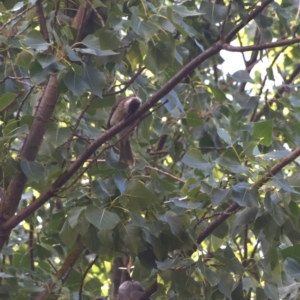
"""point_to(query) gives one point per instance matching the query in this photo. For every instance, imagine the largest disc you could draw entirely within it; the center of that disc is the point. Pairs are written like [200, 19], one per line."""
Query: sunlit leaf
[33, 170]
[101, 218]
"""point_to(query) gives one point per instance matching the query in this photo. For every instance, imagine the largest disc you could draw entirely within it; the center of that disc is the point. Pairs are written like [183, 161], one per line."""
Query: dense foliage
[211, 208]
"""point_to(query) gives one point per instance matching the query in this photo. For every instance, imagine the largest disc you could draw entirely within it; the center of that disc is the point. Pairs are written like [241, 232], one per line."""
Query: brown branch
[13, 78]
[42, 20]
[65, 268]
[96, 13]
[233, 207]
[161, 142]
[80, 20]
[261, 46]
[29, 151]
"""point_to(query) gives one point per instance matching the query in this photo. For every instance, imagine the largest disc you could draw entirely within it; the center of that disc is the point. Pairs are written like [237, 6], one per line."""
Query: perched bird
[122, 109]
[130, 290]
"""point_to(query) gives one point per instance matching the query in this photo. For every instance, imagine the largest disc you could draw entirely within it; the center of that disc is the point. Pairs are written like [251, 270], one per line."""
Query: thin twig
[222, 213]
[91, 99]
[84, 275]
[246, 243]
[13, 78]
[16, 16]
[23, 102]
[261, 46]
[128, 83]
[91, 162]
[11, 102]
[166, 173]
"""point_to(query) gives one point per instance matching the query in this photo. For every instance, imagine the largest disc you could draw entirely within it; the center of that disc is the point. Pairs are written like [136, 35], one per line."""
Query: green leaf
[277, 212]
[194, 159]
[283, 17]
[33, 170]
[74, 215]
[72, 55]
[277, 154]
[168, 264]
[292, 268]
[137, 197]
[172, 101]
[68, 234]
[188, 205]
[232, 263]
[101, 218]
[6, 99]
[132, 237]
[175, 222]
[230, 160]
[45, 60]
[214, 13]
[291, 252]
[185, 12]
[244, 195]
[224, 135]
[108, 39]
[75, 82]
[285, 185]
[220, 196]
[57, 135]
[242, 76]
[145, 29]
[193, 119]
[263, 21]
[93, 47]
[35, 40]
[263, 131]
[97, 3]
[289, 291]
[94, 80]
[226, 284]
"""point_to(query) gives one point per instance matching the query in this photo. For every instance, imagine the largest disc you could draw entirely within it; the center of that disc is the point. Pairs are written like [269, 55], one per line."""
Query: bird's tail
[126, 155]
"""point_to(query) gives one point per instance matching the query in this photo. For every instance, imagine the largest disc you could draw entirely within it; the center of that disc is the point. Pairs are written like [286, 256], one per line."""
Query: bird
[122, 109]
[130, 290]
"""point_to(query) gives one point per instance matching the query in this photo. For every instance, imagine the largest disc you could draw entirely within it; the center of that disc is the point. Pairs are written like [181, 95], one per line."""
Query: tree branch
[229, 36]
[42, 20]
[29, 151]
[261, 46]
[278, 94]
[233, 207]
